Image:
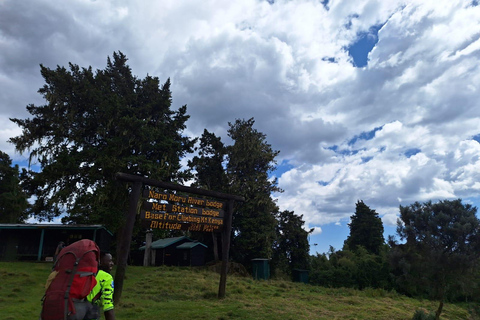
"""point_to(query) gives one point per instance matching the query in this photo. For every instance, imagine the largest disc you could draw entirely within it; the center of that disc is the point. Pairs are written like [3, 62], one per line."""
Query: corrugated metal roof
[163, 243]
[189, 245]
[51, 226]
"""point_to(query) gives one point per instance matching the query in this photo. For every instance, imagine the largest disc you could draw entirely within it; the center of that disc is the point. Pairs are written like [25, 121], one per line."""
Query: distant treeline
[436, 256]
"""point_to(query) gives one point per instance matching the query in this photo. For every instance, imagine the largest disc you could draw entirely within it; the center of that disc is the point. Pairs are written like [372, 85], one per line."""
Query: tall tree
[441, 249]
[291, 249]
[93, 125]
[13, 201]
[209, 173]
[366, 230]
[208, 165]
[250, 160]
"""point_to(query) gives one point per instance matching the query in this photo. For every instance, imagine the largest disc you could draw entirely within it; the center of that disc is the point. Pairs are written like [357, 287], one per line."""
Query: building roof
[189, 245]
[163, 243]
[52, 226]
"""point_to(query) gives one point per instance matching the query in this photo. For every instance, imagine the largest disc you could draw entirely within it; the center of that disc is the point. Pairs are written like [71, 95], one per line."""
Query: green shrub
[420, 314]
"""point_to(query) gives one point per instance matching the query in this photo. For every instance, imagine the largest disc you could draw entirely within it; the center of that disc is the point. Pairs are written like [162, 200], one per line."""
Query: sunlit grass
[155, 293]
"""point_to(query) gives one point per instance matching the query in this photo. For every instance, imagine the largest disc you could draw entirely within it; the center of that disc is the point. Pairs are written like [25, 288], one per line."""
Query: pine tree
[209, 173]
[208, 165]
[366, 230]
[250, 160]
[13, 201]
[291, 250]
[93, 125]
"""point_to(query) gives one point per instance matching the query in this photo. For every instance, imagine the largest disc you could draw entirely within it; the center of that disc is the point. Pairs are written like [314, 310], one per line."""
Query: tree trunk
[439, 310]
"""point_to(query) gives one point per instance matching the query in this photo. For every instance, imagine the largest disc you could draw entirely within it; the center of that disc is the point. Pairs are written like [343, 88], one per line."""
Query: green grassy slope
[156, 293]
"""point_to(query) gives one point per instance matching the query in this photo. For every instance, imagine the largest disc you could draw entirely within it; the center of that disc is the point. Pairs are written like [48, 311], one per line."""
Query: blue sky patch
[476, 138]
[344, 152]
[361, 48]
[333, 148]
[411, 152]
[366, 159]
[325, 4]
[329, 59]
[23, 163]
[368, 135]
[283, 167]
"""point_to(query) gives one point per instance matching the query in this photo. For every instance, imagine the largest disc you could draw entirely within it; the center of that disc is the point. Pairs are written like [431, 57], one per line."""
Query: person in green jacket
[101, 295]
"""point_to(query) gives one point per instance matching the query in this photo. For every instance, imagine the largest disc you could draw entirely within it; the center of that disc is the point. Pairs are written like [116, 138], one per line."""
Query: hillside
[157, 293]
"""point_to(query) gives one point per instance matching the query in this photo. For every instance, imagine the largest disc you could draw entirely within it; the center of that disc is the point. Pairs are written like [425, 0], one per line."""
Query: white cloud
[389, 219]
[316, 231]
[286, 64]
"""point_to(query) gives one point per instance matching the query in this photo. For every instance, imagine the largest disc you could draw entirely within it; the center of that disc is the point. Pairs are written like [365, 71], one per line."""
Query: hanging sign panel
[177, 212]
[176, 221]
[185, 200]
[174, 208]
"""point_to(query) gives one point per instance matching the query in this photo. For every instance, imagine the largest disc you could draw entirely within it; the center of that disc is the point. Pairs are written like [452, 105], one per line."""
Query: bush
[422, 315]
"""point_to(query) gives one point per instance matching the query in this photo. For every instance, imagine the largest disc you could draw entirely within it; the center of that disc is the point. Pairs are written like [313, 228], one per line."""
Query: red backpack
[76, 267]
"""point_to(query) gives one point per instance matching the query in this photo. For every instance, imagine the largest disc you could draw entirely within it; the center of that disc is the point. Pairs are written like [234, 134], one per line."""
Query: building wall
[198, 256]
[171, 256]
[25, 244]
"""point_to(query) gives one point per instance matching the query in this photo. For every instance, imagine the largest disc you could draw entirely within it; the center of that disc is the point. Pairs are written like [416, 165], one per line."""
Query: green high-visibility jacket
[102, 294]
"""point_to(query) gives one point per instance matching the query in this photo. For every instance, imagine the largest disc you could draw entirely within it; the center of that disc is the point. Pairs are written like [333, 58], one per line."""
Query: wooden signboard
[173, 208]
[176, 212]
[172, 197]
[164, 210]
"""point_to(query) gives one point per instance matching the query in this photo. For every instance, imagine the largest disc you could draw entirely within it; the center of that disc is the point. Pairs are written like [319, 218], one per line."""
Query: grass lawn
[155, 293]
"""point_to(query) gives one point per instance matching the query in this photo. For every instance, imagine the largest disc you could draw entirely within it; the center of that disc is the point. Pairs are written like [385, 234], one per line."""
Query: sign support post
[126, 240]
[226, 235]
[148, 244]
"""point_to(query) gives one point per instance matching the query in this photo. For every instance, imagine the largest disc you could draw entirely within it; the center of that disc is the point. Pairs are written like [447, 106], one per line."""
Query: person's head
[106, 262]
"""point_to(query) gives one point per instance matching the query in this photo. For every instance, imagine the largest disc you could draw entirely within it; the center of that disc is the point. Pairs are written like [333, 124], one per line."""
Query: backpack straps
[68, 301]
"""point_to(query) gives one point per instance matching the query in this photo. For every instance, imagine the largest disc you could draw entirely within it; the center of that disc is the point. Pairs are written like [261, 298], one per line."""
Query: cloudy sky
[367, 100]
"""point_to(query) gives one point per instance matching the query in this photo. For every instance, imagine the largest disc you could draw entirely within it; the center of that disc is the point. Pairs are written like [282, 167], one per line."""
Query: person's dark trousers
[84, 310]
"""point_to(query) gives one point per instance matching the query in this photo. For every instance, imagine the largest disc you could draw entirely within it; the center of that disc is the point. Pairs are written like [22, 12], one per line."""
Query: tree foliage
[441, 249]
[209, 173]
[250, 160]
[209, 164]
[357, 269]
[93, 125]
[242, 169]
[366, 230]
[13, 201]
[291, 247]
